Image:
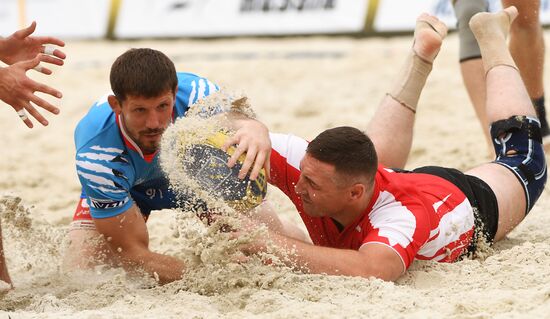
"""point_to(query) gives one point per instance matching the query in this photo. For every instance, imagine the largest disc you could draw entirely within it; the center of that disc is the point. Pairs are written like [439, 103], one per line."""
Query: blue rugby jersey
[111, 168]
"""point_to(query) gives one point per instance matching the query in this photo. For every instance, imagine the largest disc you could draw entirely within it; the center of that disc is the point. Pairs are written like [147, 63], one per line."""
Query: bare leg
[474, 81]
[471, 66]
[527, 48]
[506, 97]
[391, 128]
[4, 275]
[87, 249]
[527, 44]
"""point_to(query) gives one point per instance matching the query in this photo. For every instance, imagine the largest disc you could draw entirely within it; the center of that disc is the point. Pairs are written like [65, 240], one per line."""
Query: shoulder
[291, 147]
[99, 119]
[192, 88]
[287, 149]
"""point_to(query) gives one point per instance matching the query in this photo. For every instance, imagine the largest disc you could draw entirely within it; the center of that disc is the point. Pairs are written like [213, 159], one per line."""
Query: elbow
[131, 257]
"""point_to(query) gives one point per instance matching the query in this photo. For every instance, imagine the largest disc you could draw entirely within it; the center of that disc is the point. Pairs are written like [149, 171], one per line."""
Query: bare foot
[428, 36]
[486, 25]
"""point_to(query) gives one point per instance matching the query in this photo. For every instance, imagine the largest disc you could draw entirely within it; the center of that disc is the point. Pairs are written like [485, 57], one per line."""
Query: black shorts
[479, 194]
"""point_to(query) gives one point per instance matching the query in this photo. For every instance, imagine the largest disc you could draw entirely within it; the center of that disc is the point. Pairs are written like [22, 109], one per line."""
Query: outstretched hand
[252, 138]
[18, 90]
[21, 46]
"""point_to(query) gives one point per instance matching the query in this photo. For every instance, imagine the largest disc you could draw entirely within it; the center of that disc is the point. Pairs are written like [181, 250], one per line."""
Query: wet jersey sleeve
[106, 178]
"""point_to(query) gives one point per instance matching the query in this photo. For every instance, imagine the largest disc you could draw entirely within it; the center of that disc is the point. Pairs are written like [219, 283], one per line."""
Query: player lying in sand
[368, 220]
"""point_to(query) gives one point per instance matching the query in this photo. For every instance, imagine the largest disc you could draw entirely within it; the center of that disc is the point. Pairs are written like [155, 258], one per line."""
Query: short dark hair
[142, 72]
[350, 151]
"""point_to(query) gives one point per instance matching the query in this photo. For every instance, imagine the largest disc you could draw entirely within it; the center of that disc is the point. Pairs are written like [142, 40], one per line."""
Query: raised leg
[391, 128]
[506, 97]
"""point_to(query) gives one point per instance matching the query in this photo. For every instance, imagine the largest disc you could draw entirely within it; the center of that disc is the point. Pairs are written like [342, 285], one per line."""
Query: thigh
[87, 248]
[509, 192]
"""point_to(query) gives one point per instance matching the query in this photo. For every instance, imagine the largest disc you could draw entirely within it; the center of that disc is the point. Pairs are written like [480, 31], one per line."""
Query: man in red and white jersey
[366, 219]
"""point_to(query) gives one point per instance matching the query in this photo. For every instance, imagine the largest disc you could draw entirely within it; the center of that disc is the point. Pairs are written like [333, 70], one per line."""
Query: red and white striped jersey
[419, 216]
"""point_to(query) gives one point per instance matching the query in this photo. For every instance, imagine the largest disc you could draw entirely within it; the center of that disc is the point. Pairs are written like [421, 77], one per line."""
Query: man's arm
[127, 236]
[372, 260]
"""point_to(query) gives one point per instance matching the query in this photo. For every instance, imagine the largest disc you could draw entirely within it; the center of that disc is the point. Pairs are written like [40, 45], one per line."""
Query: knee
[464, 10]
[518, 145]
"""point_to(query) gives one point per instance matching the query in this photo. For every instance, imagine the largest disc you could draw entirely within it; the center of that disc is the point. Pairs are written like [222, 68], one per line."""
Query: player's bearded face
[145, 119]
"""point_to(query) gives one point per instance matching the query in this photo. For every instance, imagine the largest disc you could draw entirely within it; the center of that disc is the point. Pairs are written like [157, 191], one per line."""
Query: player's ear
[115, 104]
[357, 190]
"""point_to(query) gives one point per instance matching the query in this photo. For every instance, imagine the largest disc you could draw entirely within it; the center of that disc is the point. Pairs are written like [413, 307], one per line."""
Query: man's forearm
[313, 259]
[163, 268]
[330, 261]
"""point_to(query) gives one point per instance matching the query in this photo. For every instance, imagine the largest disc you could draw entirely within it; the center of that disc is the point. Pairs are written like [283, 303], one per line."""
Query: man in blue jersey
[117, 145]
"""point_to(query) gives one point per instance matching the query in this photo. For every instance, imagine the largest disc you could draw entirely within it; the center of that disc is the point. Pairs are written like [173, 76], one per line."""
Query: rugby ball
[206, 163]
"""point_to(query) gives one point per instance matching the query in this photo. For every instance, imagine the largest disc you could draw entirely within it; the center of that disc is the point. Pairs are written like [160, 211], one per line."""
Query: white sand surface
[296, 85]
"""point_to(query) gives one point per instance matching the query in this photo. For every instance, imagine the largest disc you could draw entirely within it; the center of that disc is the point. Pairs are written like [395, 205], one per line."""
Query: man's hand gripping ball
[209, 168]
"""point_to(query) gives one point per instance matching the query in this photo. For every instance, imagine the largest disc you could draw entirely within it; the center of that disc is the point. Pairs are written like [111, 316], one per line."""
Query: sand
[296, 85]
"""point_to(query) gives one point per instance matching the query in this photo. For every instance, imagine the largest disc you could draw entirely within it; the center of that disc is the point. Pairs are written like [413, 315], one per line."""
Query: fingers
[44, 58]
[42, 69]
[248, 161]
[231, 141]
[256, 155]
[44, 104]
[36, 86]
[50, 59]
[51, 40]
[53, 51]
[267, 166]
[23, 33]
[23, 116]
[258, 164]
[39, 87]
[34, 113]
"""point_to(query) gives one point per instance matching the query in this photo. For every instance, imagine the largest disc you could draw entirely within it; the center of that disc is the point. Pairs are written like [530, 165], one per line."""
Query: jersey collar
[130, 143]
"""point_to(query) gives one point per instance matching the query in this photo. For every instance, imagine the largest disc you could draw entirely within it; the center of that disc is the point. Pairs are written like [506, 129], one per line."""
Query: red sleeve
[401, 222]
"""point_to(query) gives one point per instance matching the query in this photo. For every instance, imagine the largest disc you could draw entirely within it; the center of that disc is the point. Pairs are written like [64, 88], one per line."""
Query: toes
[512, 12]
[433, 23]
